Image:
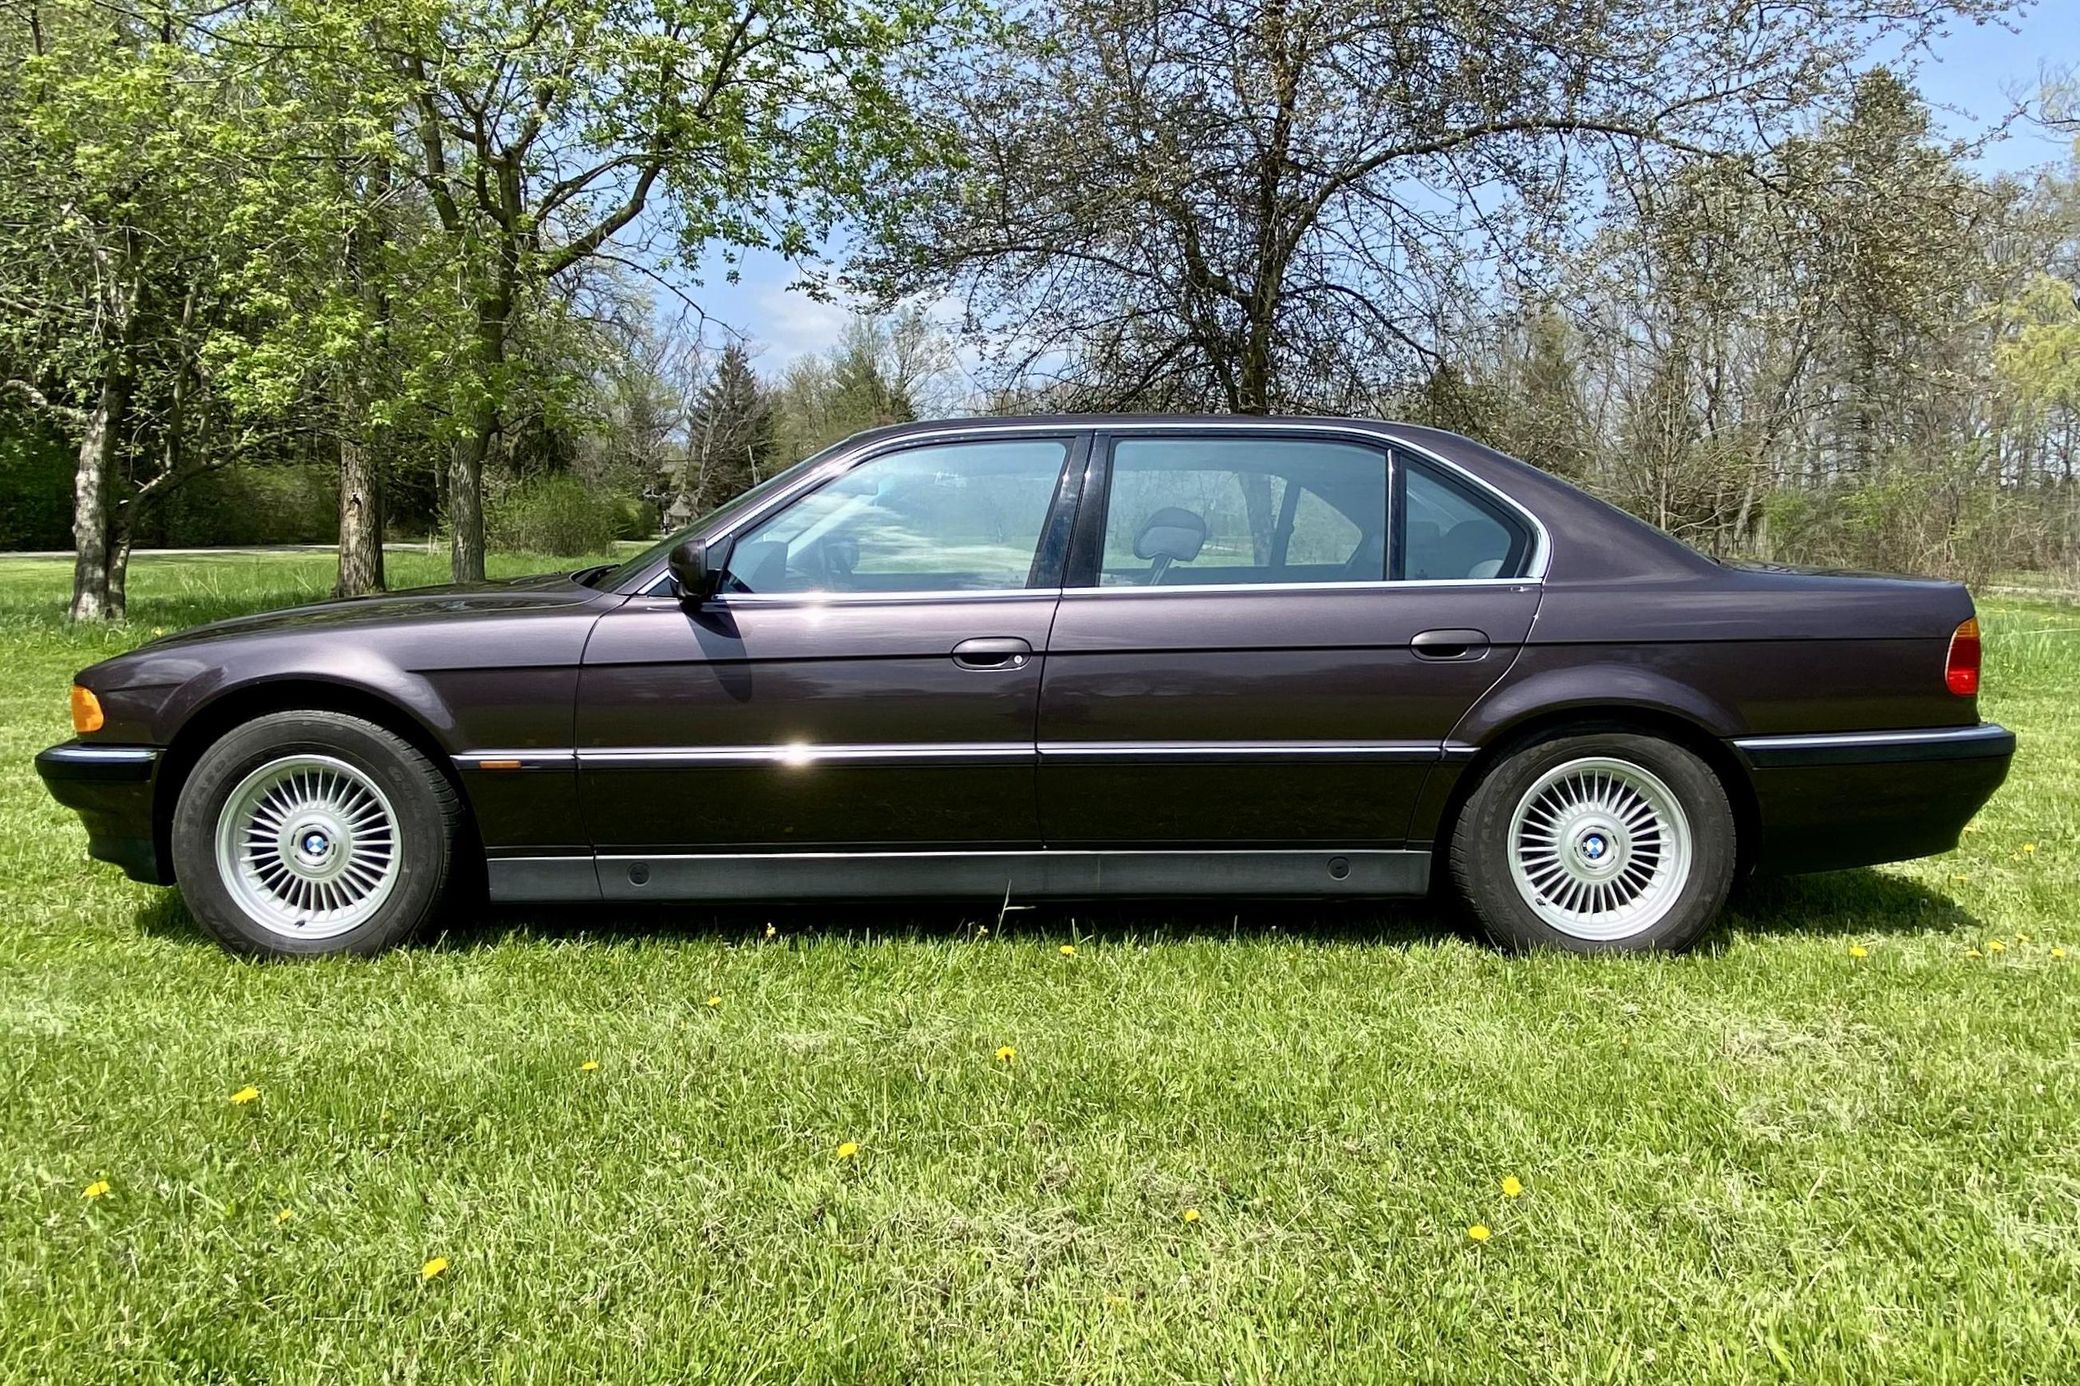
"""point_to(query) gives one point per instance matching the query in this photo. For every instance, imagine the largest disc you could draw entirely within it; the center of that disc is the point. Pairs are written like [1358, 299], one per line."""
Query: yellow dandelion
[1191, 1215]
[2029, 849]
[714, 1003]
[1994, 945]
[1068, 950]
[283, 1215]
[245, 1095]
[1511, 1186]
[1857, 950]
[2058, 952]
[771, 930]
[848, 1150]
[434, 1267]
[1005, 1054]
[1479, 1232]
[95, 1190]
[589, 1066]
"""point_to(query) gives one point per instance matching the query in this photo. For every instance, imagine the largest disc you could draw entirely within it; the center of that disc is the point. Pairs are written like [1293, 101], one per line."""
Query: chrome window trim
[957, 594]
[1364, 585]
[1383, 434]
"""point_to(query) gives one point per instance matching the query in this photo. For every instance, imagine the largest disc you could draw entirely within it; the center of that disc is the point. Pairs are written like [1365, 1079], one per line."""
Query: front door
[866, 680]
[1240, 659]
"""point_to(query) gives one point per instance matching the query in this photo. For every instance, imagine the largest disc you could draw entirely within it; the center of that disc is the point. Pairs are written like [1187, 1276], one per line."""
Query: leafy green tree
[120, 235]
[549, 135]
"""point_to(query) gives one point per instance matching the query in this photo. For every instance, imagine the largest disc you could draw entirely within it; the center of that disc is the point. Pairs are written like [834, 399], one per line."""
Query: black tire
[428, 830]
[1481, 849]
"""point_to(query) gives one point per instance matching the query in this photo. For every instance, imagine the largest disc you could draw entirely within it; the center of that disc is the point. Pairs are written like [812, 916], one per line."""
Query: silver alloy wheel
[1599, 848]
[308, 846]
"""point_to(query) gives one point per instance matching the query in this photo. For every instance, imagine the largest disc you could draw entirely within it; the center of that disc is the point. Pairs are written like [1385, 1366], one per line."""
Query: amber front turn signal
[86, 710]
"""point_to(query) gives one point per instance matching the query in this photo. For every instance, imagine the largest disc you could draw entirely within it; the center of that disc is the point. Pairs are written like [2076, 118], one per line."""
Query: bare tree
[1255, 204]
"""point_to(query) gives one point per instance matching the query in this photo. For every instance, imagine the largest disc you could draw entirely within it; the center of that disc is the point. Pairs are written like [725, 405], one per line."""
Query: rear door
[867, 679]
[1237, 661]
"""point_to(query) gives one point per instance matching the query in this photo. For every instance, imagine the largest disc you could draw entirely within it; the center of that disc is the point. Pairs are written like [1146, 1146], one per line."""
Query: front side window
[1447, 532]
[948, 517]
[1193, 512]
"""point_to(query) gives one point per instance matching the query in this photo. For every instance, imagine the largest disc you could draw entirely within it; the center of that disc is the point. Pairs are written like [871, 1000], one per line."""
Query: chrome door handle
[1450, 644]
[993, 652]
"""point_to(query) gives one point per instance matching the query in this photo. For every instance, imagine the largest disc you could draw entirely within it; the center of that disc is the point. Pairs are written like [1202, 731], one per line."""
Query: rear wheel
[304, 833]
[1597, 842]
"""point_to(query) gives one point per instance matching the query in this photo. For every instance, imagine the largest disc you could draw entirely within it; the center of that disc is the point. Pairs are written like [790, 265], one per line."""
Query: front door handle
[1450, 644]
[993, 652]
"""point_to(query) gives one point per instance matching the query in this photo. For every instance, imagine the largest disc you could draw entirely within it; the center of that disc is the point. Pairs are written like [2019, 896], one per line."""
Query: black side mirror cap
[697, 567]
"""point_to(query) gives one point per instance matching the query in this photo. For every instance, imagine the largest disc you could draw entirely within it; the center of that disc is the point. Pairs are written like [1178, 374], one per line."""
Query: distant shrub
[35, 486]
[553, 514]
[270, 503]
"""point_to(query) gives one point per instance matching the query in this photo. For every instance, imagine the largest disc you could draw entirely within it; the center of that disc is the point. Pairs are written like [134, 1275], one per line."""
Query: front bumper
[1845, 799]
[111, 788]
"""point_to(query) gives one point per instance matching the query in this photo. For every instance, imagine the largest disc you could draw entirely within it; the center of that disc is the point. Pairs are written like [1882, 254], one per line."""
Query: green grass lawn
[1232, 1145]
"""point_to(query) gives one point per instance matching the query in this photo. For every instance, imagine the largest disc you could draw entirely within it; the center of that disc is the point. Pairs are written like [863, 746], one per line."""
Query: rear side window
[1446, 531]
[1186, 512]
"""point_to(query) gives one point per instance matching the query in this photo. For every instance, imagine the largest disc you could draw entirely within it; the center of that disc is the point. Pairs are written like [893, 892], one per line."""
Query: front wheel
[304, 833]
[1598, 842]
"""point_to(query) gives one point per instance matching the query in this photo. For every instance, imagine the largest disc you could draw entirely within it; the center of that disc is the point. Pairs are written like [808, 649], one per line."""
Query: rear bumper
[1857, 798]
[111, 789]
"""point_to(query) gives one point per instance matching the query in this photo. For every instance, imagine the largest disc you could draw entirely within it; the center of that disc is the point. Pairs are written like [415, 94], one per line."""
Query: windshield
[611, 578]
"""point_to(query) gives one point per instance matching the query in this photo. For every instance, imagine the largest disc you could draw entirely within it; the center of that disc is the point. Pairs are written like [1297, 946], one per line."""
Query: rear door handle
[993, 652]
[1450, 644]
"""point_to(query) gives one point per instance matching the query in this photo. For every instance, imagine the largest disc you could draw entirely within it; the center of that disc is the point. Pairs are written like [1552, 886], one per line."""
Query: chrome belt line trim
[1312, 750]
[107, 755]
[530, 760]
[784, 854]
[1803, 741]
[802, 755]
[794, 755]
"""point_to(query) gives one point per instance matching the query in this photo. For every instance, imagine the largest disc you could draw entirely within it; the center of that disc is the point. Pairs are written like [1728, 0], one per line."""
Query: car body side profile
[1061, 657]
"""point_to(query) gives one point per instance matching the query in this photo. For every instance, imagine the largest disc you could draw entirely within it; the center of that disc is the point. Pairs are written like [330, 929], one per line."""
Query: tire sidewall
[1481, 845]
[425, 837]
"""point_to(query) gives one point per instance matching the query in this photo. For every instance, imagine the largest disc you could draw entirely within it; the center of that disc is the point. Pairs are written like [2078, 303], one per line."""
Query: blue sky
[1974, 77]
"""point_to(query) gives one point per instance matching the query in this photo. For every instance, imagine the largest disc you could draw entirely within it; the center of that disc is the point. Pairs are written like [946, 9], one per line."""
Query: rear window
[1447, 531]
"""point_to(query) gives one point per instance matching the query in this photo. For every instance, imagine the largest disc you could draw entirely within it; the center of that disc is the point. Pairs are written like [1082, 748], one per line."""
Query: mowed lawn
[1233, 1143]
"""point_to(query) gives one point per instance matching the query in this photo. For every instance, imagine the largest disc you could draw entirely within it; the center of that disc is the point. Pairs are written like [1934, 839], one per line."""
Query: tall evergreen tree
[730, 447]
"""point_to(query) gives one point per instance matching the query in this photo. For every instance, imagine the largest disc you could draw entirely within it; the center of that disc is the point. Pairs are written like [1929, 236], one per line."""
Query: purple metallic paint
[1626, 623]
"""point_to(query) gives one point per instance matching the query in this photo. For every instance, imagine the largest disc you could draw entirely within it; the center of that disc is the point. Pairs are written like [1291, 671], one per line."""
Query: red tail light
[1961, 669]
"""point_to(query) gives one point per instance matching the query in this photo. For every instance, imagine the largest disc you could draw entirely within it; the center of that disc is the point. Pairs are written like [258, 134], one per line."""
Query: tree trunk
[360, 520]
[95, 552]
[119, 570]
[466, 462]
[466, 500]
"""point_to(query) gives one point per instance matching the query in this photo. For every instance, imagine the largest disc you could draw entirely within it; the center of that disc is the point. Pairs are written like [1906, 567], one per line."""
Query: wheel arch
[233, 707]
[1656, 720]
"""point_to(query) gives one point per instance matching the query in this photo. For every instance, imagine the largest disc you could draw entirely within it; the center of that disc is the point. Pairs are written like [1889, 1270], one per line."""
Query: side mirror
[697, 569]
